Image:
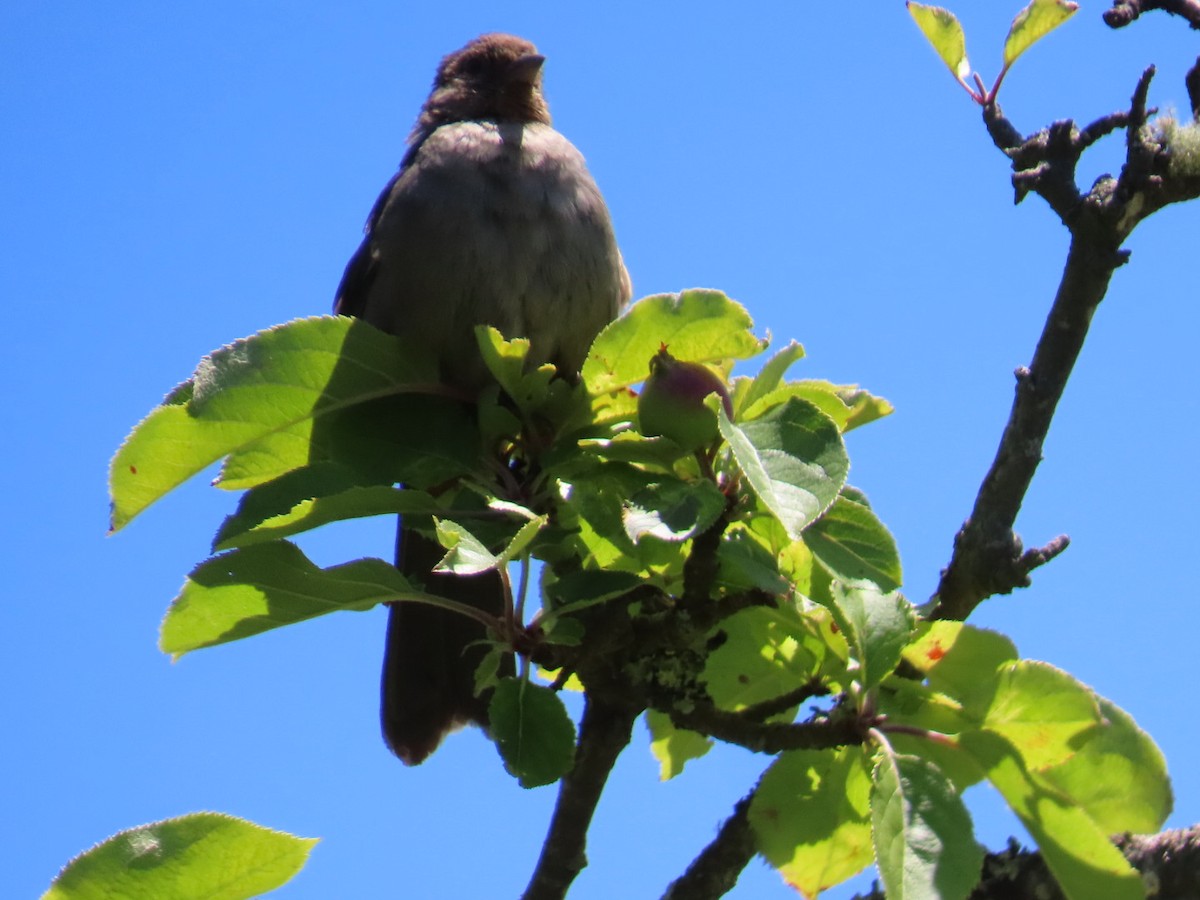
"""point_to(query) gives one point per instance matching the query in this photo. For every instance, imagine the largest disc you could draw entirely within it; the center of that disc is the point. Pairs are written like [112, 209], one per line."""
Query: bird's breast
[497, 224]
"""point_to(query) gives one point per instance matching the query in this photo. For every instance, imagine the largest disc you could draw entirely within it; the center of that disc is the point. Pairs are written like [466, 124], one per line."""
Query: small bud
[671, 403]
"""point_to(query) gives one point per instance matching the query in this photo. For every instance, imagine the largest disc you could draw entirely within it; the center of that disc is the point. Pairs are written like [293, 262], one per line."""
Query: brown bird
[493, 218]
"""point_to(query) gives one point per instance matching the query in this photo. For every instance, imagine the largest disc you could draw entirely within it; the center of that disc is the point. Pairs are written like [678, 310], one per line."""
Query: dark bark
[1124, 12]
[989, 557]
[603, 734]
[716, 870]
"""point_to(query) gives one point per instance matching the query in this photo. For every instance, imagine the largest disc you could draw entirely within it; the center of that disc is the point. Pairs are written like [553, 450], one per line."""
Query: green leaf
[1079, 854]
[877, 626]
[672, 510]
[656, 453]
[589, 586]
[864, 407]
[853, 544]
[698, 325]
[746, 563]
[767, 652]
[1042, 711]
[565, 631]
[202, 856]
[278, 498]
[598, 498]
[280, 509]
[466, 554]
[811, 816]
[848, 405]
[534, 734]
[796, 563]
[768, 378]
[520, 542]
[794, 459]
[942, 29]
[260, 397]
[534, 391]
[487, 673]
[505, 359]
[248, 591]
[421, 440]
[1033, 23]
[910, 704]
[673, 747]
[961, 661]
[924, 840]
[1118, 776]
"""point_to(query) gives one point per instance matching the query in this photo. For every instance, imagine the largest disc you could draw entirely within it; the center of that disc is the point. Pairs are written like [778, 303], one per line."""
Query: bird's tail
[429, 663]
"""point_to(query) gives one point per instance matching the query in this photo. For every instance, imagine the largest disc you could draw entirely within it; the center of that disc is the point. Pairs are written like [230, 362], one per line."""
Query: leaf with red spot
[961, 660]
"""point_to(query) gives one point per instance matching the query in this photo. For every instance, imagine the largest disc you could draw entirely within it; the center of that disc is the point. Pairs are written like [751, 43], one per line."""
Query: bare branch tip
[1120, 15]
[1137, 112]
[1039, 556]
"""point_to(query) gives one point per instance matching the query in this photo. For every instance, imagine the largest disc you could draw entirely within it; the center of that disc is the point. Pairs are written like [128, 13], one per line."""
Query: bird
[492, 218]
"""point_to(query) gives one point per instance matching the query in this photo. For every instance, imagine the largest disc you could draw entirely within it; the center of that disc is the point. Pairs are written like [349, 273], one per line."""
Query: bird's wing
[355, 286]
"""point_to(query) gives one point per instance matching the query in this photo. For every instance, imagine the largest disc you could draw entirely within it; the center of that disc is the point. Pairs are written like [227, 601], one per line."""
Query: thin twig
[768, 737]
[776, 705]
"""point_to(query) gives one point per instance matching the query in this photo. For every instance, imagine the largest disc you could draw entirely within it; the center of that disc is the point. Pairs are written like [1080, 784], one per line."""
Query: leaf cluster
[742, 591]
[944, 32]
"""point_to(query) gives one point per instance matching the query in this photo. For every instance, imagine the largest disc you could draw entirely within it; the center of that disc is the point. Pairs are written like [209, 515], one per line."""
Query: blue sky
[177, 176]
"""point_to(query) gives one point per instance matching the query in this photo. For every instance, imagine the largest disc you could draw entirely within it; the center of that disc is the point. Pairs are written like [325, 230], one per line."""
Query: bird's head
[495, 77]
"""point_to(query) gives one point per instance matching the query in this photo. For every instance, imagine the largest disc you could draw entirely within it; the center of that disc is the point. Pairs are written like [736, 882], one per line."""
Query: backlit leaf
[202, 856]
[942, 29]
[1078, 852]
[811, 817]
[248, 591]
[1033, 23]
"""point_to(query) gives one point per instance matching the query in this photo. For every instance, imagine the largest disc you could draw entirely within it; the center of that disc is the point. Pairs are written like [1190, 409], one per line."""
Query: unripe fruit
[671, 403]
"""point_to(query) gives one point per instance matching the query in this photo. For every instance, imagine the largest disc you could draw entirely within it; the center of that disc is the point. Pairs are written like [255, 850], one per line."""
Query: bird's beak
[526, 69]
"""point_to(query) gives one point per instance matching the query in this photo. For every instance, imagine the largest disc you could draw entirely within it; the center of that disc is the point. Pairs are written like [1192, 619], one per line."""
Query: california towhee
[493, 218]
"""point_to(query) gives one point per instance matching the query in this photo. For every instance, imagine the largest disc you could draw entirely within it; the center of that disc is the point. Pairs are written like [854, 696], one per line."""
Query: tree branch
[784, 702]
[700, 568]
[769, 737]
[604, 732]
[715, 871]
[988, 556]
[1192, 82]
[1123, 12]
